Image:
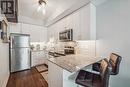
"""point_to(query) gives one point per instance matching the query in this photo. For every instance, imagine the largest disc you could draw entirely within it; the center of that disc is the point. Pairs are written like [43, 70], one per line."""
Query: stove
[55, 54]
[69, 50]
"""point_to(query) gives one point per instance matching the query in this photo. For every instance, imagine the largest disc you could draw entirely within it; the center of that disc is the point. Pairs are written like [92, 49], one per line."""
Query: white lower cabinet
[37, 58]
[69, 79]
[59, 77]
[55, 75]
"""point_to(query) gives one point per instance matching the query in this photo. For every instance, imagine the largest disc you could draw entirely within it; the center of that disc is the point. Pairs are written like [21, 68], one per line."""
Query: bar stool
[88, 79]
[114, 60]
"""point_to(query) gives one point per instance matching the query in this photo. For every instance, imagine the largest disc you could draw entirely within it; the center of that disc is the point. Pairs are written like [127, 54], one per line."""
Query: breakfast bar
[63, 70]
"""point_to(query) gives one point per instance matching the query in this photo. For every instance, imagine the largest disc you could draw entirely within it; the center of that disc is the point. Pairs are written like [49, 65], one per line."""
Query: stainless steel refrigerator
[19, 52]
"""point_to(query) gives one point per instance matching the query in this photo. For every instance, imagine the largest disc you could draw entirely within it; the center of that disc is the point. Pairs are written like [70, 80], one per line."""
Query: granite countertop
[73, 63]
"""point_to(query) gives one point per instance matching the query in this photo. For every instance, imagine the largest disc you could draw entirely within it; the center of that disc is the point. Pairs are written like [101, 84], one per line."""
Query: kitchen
[67, 40]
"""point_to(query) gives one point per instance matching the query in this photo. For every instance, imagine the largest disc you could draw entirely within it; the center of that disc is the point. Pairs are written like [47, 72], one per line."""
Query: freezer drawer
[20, 59]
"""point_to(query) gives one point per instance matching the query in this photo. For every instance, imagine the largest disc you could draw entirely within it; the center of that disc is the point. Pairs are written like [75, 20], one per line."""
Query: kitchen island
[63, 70]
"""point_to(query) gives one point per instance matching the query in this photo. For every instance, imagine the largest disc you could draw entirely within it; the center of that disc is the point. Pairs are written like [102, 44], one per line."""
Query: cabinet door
[48, 33]
[38, 57]
[56, 32]
[85, 23]
[26, 29]
[30, 29]
[69, 79]
[88, 22]
[55, 75]
[76, 26]
[63, 24]
[35, 33]
[43, 34]
[15, 27]
[53, 32]
[70, 21]
[33, 58]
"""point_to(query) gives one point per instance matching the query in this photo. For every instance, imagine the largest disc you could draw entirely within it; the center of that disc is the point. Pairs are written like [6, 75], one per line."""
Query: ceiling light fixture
[41, 7]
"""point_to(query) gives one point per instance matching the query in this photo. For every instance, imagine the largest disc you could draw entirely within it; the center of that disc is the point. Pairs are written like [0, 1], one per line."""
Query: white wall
[4, 63]
[113, 32]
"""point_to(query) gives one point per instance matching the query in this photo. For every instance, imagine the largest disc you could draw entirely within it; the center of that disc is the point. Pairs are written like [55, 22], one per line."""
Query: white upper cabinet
[15, 28]
[82, 21]
[53, 31]
[43, 34]
[76, 25]
[25, 28]
[37, 33]
[50, 32]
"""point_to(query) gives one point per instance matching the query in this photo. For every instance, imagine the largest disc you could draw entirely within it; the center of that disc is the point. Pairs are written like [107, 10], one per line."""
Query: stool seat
[88, 79]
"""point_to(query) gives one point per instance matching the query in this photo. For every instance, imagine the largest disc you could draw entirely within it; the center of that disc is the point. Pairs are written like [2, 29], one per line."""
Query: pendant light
[41, 7]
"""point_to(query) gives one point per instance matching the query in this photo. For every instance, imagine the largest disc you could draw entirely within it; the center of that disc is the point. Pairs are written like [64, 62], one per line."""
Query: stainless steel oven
[66, 35]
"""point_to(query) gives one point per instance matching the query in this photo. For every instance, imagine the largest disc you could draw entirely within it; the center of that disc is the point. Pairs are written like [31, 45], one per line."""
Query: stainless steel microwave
[66, 35]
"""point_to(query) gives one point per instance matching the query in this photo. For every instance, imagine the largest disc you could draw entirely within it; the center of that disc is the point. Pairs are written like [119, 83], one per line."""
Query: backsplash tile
[81, 47]
[86, 47]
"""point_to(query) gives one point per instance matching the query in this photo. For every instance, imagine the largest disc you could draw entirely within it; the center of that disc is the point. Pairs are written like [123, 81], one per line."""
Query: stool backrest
[105, 70]
[115, 60]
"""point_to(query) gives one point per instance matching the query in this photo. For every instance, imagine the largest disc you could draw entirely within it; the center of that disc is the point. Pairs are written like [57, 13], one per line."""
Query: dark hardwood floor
[28, 78]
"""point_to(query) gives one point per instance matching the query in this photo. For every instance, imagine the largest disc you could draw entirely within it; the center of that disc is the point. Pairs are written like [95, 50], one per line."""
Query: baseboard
[6, 80]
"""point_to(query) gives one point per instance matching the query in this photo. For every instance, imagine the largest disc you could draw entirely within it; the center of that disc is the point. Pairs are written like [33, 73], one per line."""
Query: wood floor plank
[28, 78]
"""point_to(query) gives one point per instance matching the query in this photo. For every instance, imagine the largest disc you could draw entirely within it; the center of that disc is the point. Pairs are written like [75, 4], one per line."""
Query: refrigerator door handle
[29, 53]
[12, 43]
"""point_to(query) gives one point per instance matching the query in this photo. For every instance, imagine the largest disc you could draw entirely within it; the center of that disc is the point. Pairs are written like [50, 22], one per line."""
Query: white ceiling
[28, 8]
